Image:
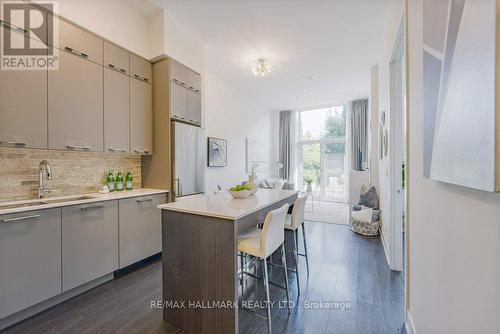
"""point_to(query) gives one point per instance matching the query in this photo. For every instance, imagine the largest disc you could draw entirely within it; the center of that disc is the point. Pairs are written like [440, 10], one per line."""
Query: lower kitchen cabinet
[89, 242]
[140, 228]
[30, 259]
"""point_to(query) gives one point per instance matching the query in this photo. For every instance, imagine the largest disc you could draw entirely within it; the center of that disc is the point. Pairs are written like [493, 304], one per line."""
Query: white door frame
[397, 147]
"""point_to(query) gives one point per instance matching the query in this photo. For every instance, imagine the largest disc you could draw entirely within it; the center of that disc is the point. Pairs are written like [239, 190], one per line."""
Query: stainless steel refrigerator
[189, 160]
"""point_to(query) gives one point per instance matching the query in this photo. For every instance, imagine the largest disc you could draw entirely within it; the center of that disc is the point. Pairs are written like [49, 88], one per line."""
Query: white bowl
[240, 194]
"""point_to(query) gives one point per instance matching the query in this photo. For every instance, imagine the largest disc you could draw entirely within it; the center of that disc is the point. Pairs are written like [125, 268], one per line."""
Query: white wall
[391, 30]
[373, 121]
[454, 268]
[231, 115]
[111, 19]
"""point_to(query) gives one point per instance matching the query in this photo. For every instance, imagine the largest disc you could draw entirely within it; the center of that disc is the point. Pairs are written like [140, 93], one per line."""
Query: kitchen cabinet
[16, 22]
[116, 111]
[140, 228]
[194, 107]
[178, 101]
[178, 73]
[116, 58]
[140, 68]
[23, 105]
[30, 261]
[79, 42]
[141, 117]
[75, 104]
[194, 81]
[89, 242]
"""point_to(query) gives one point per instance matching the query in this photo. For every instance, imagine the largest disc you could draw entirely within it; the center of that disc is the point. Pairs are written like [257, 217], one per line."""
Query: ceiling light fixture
[261, 69]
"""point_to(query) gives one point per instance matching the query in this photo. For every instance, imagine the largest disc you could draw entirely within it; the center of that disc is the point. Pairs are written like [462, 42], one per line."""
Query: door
[189, 160]
[89, 242]
[178, 101]
[116, 111]
[140, 228]
[140, 68]
[141, 117]
[194, 107]
[30, 260]
[75, 105]
[23, 104]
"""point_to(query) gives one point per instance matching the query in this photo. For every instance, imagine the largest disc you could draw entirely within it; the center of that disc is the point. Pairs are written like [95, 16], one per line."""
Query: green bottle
[110, 181]
[128, 181]
[119, 181]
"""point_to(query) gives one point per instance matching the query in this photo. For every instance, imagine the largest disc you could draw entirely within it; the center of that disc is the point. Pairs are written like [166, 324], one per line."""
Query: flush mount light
[261, 69]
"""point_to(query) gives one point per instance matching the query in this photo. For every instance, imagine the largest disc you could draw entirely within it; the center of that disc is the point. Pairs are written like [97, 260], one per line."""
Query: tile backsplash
[72, 172]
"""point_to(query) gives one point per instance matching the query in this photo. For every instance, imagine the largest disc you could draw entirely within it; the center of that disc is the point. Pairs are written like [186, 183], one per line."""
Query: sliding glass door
[322, 152]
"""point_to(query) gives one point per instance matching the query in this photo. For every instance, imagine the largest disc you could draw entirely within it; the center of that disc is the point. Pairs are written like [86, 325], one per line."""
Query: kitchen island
[200, 270]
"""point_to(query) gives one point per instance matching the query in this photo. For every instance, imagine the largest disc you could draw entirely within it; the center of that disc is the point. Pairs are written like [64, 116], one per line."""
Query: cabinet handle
[194, 121]
[112, 149]
[141, 151]
[142, 200]
[85, 208]
[76, 52]
[180, 117]
[8, 220]
[116, 68]
[76, 147]
[17, 143]
[140, 77]
[13, 27]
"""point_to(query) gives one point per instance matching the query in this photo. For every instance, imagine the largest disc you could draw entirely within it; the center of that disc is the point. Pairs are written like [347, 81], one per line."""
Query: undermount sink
[45, 201]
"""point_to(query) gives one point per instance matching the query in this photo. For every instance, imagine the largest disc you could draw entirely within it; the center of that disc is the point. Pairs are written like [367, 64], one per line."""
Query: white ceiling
[321, 51]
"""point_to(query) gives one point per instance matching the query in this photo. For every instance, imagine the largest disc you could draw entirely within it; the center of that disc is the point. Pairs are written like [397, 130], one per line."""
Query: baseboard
[409, 325]
[386, 248]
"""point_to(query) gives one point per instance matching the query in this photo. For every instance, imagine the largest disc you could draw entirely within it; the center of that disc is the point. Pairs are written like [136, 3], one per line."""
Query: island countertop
[223, 205]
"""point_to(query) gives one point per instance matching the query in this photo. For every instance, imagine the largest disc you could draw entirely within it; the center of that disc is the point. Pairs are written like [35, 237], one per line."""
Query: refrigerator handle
[177, 188]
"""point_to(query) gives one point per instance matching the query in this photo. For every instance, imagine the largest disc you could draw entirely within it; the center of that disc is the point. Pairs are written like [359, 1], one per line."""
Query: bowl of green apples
[240, 191]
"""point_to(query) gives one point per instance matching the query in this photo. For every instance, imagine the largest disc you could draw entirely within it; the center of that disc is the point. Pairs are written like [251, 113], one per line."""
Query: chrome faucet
[43, 168]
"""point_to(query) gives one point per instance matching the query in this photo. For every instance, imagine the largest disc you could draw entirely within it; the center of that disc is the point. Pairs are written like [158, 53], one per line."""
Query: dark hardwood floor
[344, 267]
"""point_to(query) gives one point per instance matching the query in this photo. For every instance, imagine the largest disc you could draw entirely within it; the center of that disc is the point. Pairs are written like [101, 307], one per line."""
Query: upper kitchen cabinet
[194, 107]
[178, 102]
[116, 111]
[75, 104]
[116, 58]
[23, 105]
[79, 42]
[194, 81]
[179, 73]
[16, 22]
[141, 117]
[140, 68]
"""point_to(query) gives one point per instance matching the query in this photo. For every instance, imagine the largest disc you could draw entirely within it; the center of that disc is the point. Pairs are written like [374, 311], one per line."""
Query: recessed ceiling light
[343, 84]
[305, 91]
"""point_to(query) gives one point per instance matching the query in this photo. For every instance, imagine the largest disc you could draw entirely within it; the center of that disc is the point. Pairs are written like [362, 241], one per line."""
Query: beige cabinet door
[79, 42]
[179, 73]
[194, 107]
[89, 242]
[75, 105]
[140, 228]
[178, 101]
[30, 260]
[116, 58]
[116, 111]
[194, 81]
[140, 68]
[17, 23]
[23, 105]
[141, 117]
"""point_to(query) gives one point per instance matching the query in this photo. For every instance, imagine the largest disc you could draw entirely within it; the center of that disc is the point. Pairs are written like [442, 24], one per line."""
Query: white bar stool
[293, 222]
[261, 244]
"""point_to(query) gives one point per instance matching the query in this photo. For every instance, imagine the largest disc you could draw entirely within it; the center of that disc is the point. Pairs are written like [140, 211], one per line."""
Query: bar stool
[293, 222]
[261, 244]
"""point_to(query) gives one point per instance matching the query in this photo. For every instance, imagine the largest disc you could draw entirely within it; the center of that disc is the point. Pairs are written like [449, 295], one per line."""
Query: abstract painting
[217, 152]
[459, 115]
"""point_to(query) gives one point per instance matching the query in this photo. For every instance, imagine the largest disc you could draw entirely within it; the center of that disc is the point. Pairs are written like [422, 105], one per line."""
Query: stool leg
[305, 246]
[242, 275]
[283, 259]
[295, 251]
[266, 283]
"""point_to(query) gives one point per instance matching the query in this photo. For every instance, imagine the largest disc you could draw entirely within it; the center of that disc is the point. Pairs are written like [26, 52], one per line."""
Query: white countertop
[222, 205]
[6, 207]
